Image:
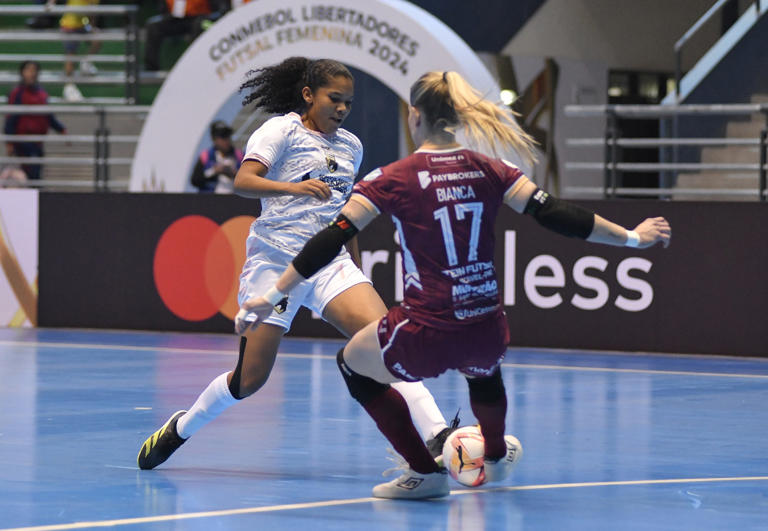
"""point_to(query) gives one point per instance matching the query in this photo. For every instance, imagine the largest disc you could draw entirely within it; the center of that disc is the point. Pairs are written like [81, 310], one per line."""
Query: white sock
[424, 412]
[210, 404]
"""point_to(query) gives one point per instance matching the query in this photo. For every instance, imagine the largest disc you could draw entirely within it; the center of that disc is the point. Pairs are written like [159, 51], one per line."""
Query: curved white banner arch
[392, 40]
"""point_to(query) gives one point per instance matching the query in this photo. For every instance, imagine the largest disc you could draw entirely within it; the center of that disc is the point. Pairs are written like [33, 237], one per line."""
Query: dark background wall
[375, 120]
[486, 25]
[708, 291]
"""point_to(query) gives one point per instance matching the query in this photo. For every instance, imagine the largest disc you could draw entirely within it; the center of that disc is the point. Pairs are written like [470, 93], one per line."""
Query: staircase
[743, 185]
[74, 177]
[716, 53]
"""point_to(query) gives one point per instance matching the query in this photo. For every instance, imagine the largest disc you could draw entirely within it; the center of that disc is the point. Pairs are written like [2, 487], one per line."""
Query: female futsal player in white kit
[302, 165]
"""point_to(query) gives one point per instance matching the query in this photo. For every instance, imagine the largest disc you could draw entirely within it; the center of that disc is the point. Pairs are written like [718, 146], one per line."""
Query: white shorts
[263, 268]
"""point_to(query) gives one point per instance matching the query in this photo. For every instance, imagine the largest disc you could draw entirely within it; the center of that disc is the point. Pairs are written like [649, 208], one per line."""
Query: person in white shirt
[302, 165]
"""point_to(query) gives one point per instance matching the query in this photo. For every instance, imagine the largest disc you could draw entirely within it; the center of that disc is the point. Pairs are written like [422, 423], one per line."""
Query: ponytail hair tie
[445, 76]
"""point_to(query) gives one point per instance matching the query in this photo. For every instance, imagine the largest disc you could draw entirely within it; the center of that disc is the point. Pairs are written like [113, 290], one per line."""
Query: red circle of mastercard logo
[197, 264]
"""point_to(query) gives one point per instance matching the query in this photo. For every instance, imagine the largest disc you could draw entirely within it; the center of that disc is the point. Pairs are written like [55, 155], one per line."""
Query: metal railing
[129, 34]
[611, 142]
[101, 139]
[678, 48]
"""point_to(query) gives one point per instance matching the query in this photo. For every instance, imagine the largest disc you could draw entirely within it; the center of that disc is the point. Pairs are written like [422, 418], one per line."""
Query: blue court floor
[611, 441]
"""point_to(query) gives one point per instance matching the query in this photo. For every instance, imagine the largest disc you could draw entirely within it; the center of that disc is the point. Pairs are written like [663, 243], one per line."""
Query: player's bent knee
[250, 385]
[488, 389]
[362, 388]
[253, 380]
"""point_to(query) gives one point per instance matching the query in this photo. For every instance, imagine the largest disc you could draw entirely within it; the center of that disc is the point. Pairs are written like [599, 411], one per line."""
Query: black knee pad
[234, 382]
[362, 388]
[488, 389]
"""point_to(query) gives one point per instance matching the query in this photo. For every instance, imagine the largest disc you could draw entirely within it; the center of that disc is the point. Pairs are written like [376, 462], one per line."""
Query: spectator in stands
[41, 21]
[216, 167]
[72, 24]
[29, 92]
[179, 17]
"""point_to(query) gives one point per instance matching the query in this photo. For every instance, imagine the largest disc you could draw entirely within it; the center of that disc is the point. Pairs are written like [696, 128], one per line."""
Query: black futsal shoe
[435, 444]
[161, 444]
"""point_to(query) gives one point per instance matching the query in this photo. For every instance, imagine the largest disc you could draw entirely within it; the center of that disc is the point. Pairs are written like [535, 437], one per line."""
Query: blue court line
[353, 501]
[177, 350]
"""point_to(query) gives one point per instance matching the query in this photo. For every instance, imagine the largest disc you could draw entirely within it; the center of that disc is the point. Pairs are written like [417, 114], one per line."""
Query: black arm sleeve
[560, 216]
[324, 246]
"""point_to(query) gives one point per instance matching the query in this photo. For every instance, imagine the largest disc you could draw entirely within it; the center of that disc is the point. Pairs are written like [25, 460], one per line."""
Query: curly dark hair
[277, 89]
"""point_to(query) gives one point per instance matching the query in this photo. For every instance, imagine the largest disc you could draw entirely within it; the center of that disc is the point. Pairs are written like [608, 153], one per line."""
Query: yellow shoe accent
[161, 444]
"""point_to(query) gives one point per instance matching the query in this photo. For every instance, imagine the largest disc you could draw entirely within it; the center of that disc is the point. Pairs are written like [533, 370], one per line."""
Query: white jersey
[293, 153]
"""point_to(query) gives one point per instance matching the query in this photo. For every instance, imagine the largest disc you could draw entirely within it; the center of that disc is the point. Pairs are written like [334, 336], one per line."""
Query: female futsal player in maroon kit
[443, 199]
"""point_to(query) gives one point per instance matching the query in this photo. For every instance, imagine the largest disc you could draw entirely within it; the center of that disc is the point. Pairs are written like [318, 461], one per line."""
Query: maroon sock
[491, 415]
[390, 412]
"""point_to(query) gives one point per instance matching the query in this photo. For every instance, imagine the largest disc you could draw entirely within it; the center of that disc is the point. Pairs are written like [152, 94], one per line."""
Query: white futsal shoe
[414, 486]
[87, 68]
[71, 93]
[500, 469]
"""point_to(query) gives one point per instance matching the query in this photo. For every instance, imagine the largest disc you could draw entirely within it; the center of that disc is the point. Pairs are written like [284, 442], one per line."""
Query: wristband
[245, 315]
[277, 299]
[633, 239]
[273, 296]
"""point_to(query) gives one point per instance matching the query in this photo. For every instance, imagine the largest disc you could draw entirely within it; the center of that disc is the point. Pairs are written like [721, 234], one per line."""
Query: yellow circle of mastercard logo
[197, 264]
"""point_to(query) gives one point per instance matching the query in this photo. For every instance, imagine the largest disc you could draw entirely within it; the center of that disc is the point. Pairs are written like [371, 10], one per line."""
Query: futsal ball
[463, 456]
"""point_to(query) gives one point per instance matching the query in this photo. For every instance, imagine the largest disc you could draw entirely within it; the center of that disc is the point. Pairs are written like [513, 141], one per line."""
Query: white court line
[233, 352]
[353, 501]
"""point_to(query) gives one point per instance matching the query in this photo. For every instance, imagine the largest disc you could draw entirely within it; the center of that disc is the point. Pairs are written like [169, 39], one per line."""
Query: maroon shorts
[413, 351]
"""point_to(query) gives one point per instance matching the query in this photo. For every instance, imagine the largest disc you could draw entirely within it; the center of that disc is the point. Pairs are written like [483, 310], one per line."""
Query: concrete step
[745, 186]
[82, 124]
[730, 154]
[68, 172]
[717, 180]
[745, 129]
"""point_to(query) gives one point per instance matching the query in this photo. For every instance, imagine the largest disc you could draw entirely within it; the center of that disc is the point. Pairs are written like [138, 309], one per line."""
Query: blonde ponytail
[449, 101]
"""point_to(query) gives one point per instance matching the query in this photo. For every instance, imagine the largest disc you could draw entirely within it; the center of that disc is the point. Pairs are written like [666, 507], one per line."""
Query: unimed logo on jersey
[197, 264]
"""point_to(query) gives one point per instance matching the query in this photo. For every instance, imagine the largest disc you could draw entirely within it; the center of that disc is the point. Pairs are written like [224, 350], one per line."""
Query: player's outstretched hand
[654, 230]
[251, 314]
[312, 187]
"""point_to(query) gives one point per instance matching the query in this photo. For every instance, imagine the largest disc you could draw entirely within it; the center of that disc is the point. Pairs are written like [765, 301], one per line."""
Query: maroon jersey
[30, 124]
[444, 205]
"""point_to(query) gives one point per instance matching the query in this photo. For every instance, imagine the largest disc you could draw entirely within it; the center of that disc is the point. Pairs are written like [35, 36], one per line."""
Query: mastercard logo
[197, 265]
